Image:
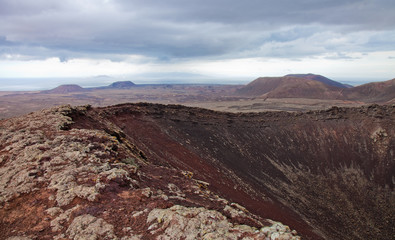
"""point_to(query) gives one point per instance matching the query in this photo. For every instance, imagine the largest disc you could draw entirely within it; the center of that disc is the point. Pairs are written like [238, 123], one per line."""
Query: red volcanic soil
[327, 174]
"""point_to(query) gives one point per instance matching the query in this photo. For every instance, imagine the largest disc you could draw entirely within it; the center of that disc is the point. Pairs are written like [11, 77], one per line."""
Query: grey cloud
[273, 12]
[341, 55]
[182, 29]
[382, 41]
[4, 42]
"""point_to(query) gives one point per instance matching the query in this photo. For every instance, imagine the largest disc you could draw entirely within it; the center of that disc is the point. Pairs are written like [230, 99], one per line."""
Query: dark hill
[67, 88]
[289, 87]
[122, 85]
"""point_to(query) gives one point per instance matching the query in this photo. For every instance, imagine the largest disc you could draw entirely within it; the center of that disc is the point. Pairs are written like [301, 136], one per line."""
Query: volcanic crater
[327, 174]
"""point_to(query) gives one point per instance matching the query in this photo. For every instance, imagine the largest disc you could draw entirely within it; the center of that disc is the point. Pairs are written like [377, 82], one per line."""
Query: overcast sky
[223, 39]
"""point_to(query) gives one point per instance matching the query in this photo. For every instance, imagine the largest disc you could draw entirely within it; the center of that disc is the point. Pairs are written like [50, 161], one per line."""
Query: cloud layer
[178, 30]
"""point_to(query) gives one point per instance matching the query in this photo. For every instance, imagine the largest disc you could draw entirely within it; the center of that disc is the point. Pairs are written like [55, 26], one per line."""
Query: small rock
[54, 211]
[146, 192]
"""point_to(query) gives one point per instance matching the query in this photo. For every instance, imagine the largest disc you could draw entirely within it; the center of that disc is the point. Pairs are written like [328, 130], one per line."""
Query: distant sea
[32, 84]
[38, 84]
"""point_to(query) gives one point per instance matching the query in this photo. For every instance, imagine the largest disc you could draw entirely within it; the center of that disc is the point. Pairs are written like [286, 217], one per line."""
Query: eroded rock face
[60, 179]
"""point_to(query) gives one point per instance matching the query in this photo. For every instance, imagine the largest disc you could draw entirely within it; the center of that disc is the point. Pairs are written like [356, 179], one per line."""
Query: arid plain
[286, 96]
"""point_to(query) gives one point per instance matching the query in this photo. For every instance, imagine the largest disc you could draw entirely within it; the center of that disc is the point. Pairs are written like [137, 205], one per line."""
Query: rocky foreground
[61, 180]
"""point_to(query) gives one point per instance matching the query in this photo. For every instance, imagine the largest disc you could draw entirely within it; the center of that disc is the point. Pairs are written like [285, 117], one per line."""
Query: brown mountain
[319, 78]
[289, 87]
[153, 171]
[67, 88]
[372, 92]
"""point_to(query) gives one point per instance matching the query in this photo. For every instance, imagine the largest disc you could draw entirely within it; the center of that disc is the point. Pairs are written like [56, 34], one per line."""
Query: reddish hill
[319, 78]
[289, 87]
[372, 92]
[318, 87]
[67, 88]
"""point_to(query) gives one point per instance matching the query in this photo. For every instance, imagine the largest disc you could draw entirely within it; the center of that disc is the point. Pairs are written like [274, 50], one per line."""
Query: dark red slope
[168, 147]
[326, 173]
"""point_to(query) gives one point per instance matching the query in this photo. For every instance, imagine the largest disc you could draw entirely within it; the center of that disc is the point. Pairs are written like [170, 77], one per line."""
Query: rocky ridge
[58, 181]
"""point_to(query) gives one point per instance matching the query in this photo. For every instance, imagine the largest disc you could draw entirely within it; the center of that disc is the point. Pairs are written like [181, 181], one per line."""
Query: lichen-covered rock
[19, 238]
[279, 231]
[88, 227]
[234, 213]
[67, 188]
[43, 152]
[180, 222]
[61, 219]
